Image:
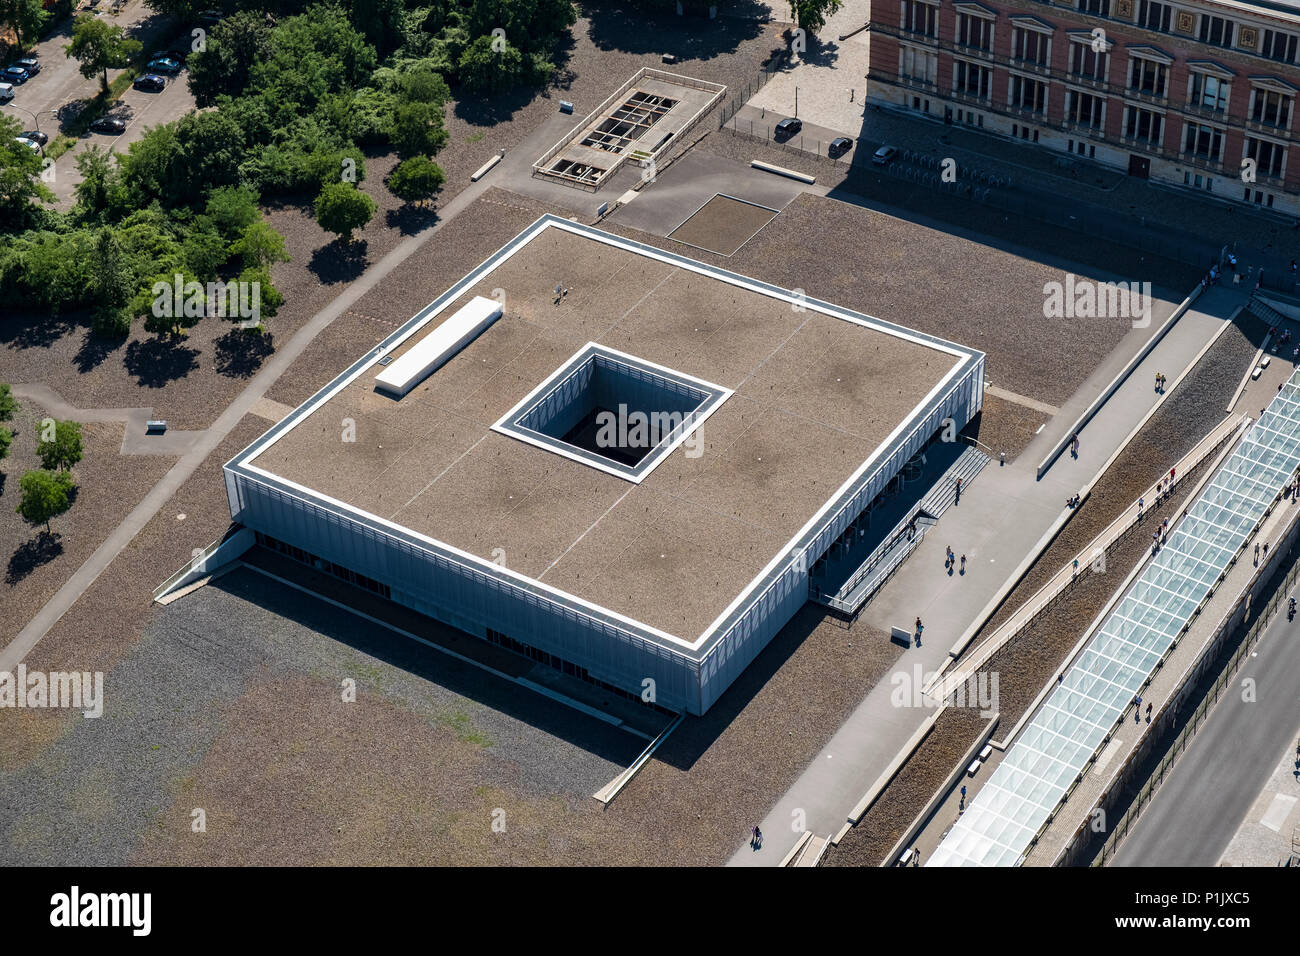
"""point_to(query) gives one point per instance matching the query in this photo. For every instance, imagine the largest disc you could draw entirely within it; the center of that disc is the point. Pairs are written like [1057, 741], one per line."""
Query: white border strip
[718, 394]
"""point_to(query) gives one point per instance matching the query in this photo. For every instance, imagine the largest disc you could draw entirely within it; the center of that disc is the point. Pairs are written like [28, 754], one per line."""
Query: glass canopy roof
[1000, 824]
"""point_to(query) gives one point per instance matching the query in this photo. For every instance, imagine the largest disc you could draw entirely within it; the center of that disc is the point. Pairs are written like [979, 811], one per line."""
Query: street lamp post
[36, 116]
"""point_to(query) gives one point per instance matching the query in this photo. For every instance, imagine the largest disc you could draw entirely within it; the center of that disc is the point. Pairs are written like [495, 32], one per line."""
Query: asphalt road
[1199, 807]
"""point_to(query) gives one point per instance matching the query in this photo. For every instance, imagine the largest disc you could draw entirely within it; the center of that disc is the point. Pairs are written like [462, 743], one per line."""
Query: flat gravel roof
[815, 394]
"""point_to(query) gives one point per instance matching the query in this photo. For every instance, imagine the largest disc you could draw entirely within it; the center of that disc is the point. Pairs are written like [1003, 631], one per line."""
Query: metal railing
[744, 94]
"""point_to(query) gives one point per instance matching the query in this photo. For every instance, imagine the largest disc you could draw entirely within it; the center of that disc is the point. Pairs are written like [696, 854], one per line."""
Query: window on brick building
[1216, 30]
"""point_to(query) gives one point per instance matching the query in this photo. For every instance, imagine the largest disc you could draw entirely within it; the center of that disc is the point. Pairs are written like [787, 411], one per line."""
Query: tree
[259, 246]
[6, 439]
[423, 85]
[226, 61]
[812, 14]
[25, 17]
[341, 208]
[417, 129]
[167, 310]
[61, 449]
[110, 286]
[483, 69]
[45, 496]
[269, 298]
[99, 177]
[20, 178]
[180, 10]
[100, 46]
[233, 209]
[416, 179]
[8, 404]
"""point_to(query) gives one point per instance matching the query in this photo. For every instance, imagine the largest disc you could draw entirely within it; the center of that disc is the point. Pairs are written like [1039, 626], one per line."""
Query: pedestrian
[1137, 709]
[957, 500]
[1265, 550]
[1257, 552]
[963, 794]
[947, 556]
[1141, 503]
[1074, 445]
[963, 564]
[1293, 266]
[919, 626]
[758, 838]
[1076, 567]
[1164, 526]
[1157, 381]
[1171, 477]
[1148, 713]
[753, 836]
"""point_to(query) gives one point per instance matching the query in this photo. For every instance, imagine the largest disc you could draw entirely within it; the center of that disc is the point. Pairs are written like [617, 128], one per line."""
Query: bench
[155, 425]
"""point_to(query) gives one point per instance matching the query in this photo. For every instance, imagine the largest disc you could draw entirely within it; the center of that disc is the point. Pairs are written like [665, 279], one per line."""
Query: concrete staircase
[875, 570]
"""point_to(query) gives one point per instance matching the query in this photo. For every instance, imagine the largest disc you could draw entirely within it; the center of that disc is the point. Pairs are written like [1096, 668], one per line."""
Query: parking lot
[38, 102]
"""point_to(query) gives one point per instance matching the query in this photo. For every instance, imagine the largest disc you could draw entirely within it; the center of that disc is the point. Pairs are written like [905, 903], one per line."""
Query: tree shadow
[490, 109]
[157, 362]
[31, 330]
[338, 261]
[94, 349]
[241, 352]
[820, 52]
[32, 554]
[409, 218]
[690, 37]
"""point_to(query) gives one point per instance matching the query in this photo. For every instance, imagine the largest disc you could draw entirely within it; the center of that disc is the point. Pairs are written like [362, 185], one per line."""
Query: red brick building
[1198, 94]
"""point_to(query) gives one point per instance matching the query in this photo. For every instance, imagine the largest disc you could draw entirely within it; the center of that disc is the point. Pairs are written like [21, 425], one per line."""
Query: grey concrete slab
[692, 181]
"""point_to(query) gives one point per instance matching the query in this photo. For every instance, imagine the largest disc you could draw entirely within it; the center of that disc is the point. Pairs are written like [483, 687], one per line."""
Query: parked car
[150, 83]
[34, 146]
[110, 125]
[788, 127]
[179, 54]
[36, 136]
[839, 146]
[6, 92]
[885, 155]
[30, 64]
[15, 74]
[164, 65]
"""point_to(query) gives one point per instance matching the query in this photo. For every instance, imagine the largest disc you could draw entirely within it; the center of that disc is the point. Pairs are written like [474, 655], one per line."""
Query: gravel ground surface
[1005, 426]
[972, 290]
[1068, 249]
[1026, 663]
[109, 484]
[232, 702]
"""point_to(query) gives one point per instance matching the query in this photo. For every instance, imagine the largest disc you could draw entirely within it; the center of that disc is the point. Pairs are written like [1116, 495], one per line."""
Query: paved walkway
[947, 604]
[135, 439]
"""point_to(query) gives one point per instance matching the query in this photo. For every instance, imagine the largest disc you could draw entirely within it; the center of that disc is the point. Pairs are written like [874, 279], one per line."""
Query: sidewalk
[1001, 521]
